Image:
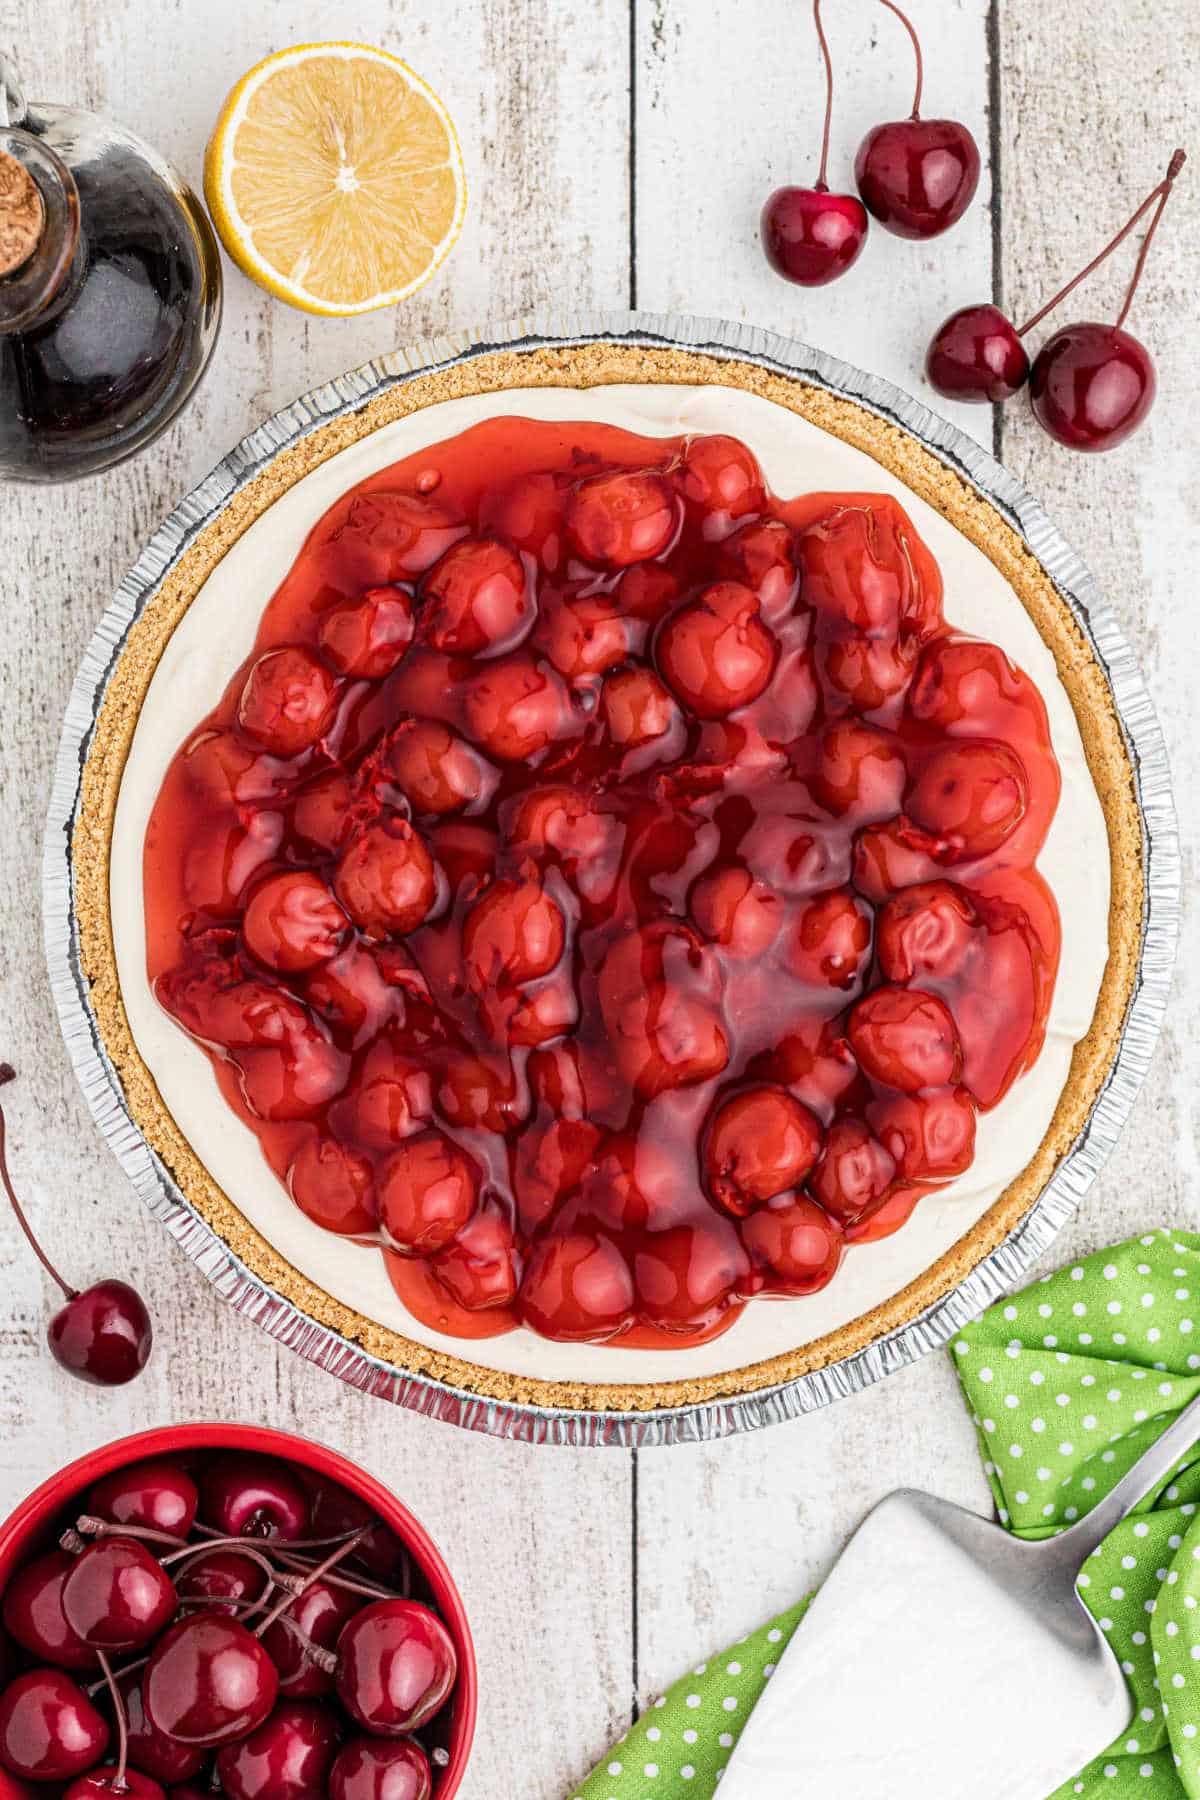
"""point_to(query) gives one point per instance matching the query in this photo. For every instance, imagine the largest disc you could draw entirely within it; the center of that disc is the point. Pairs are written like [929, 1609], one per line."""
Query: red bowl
[24, 1533]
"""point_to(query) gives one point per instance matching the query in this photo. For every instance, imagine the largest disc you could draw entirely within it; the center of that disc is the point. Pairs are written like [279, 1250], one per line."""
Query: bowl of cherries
[225, 1610]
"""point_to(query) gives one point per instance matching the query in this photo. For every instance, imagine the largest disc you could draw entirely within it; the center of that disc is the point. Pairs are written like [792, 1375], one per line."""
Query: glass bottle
[110, 290]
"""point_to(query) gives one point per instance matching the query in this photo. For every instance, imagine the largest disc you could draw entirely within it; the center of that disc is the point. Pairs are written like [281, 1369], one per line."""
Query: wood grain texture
[594, 1578]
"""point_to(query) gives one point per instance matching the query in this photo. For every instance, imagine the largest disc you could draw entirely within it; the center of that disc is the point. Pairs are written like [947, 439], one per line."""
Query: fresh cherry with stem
[103, 1334]
[811, 236]
[1092, 385]
[917, 176]
[1096, 382]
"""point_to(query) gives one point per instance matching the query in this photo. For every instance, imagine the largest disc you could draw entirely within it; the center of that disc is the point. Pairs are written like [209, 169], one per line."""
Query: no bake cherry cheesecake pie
[598, 857]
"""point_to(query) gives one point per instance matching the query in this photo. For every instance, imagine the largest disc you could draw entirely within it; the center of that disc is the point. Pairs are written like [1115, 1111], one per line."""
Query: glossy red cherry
[1091, 386]
[438, 771]
[118, 1596]
[49, 1729]
[659, 992]
[926, 930]
[855, 1171]
[529, 513]
[336, 1511]
[111, 1781]
[103, 1333]
[319, 1613]
[830, 942]
[515, 932]
[292, 922]
[479, 1269]
[367, 638]
[427, 1192]
[381, 1769]
[385, 879]
[715, 653]
[720, 475]
[624, 518]
[687, 1276]
[929, 1135]
[860, 772]
[334, 1186]
[288, 1757]
[971, 796]
[209, 1681]
[637, 708]
[396, 1667]
[976, 355]
[156, 1494]
[577, 1287]
[288, 701]
[795, 1243]
[905, 1039]
[148, 1748]
[33, 1613]
[917, 176]
[811, 236]
[737, 912]
[516, 707]
[760, 1143]
[246, 1495]
[476, 600]
[222, 1576]
[583, 635]
[390, 536]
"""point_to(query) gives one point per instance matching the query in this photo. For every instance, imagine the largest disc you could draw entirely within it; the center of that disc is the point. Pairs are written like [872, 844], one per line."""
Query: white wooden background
[618, 152]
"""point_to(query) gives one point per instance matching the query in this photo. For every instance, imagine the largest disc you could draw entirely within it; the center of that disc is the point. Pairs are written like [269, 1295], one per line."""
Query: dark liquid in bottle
[120, 348]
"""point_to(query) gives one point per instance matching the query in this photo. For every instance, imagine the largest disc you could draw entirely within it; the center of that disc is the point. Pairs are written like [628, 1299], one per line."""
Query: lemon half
[334, 178]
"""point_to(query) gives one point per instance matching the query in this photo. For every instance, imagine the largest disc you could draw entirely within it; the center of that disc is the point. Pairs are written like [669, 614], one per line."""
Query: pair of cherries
[255, 1665]
[916, 176]
[1090, 385]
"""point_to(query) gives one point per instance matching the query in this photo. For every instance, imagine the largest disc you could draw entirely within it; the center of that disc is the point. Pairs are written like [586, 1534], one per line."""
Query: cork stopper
[22, 214]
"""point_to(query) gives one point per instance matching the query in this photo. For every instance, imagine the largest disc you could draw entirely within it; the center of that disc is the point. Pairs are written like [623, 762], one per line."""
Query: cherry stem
[275, 1578]
[276, 1546]
[1173, 167]
[315, 1574]
[7, 1074]
[92, 1527]
[1157, 196]
[119, 1784]
[916, 44]
[822, 183]
[369, 1590]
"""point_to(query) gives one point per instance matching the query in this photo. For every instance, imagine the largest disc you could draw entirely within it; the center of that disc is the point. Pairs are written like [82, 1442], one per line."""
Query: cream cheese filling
[216, 635]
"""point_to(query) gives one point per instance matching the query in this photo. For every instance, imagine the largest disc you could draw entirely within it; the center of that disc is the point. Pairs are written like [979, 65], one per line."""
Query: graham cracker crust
[583, 366]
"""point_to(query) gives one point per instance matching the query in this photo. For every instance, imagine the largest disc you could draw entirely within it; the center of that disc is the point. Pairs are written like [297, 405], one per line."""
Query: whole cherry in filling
[607, 890]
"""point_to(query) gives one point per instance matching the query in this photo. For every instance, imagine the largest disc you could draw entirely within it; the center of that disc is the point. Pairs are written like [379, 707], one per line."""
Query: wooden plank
[540, 1541]
[728, 1533]
[1089, 118]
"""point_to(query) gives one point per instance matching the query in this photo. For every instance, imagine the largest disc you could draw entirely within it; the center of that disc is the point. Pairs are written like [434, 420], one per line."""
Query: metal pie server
[944, 1659]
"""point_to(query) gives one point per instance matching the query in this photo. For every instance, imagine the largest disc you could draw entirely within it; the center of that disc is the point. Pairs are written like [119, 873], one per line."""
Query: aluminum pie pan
[709, 1418]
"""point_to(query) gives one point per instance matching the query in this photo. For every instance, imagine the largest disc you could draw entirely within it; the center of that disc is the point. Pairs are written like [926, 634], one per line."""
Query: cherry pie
[608, 890]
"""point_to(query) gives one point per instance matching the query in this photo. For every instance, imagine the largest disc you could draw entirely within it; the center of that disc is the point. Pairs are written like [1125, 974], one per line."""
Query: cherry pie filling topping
[606, 888]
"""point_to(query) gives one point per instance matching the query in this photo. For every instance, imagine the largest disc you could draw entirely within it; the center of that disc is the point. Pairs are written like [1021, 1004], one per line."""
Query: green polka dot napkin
[1067, 1383]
